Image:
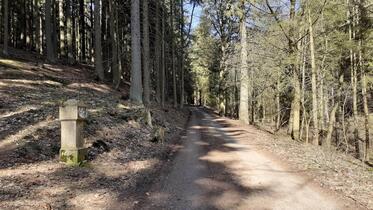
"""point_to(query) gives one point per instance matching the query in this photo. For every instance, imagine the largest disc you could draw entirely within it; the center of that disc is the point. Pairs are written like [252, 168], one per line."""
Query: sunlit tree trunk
[244, 87]
[296, 84]
[62, 27]
[313, 83]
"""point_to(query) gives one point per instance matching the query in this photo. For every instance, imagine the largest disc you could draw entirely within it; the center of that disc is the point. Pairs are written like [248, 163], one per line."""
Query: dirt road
[219, 168]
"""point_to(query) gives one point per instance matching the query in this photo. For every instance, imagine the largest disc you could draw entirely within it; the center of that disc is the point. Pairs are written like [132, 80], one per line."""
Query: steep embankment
[120, 151]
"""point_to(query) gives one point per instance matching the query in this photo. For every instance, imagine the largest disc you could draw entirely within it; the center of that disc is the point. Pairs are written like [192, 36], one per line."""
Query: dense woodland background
[301, 65]
[304, 66]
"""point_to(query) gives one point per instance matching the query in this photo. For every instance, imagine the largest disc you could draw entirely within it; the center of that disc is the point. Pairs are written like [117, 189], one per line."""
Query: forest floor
[331, 169]
[121, 154]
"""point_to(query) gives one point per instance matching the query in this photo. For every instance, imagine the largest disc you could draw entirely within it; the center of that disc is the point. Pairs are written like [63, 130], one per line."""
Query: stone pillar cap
[74, 102]
[73, 110]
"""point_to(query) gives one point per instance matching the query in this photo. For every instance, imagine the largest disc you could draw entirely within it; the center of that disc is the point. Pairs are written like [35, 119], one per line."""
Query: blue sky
[197, 14]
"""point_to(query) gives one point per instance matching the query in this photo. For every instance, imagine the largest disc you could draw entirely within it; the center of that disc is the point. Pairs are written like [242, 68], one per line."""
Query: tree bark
[146, 52]
[6, 27]
[114, 48]
[182, 53]
[157, 66]
[163, 57]
[38, 27]
[82, 30]
[314, 83]
[328, 140]
[174, 86]
[62, 27]
[51, 56]
[98, 48]
[136, 80]
[244, 86]
[69, 32]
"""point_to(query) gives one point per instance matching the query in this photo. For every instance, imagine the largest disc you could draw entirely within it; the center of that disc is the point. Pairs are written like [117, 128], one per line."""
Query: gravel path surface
[219, 167]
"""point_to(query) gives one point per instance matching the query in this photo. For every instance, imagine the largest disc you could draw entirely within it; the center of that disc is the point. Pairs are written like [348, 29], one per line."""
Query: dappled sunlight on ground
[92, 86]
[120, 152]
[12, 63]
[26, 131]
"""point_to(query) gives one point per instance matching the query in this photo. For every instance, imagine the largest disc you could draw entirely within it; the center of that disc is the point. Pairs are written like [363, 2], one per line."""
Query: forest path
[219, 168]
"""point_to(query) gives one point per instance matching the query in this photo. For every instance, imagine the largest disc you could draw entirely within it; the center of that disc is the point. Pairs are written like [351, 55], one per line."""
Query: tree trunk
[244, 87]
[314, 83]
[182, 53]
[62, 27]
[136, 82]
[296, 107]
[157, 67]
[82, 30]
[51, 56]
[146, 52]
[69, 32]
[163, 57]
[328, 140]
[38, 26]
[174, 87]
[6, 27]
[278, 103]
[295, 111]
[98, 48]
[114, 47]
[365, 103]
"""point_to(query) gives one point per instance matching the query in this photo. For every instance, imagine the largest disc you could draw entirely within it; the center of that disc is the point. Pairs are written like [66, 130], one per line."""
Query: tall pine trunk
[38, 28]
[157, 67]
[173, 64]
[163, 57]
[182, 53]
[82, 30]
[114, 48]
[51, 56]
[69, 32]
[136, 82]
[98, 48]
[146, 52]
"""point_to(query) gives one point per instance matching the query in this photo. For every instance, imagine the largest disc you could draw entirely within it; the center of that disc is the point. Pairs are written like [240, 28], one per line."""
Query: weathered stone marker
[72, 116]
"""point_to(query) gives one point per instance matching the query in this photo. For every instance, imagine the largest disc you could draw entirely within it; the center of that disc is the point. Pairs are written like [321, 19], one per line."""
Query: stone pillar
[72, 116]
